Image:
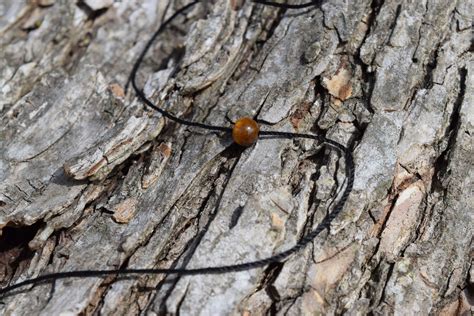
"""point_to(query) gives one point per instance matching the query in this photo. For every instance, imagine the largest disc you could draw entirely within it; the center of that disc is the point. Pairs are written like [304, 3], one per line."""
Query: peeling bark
[90, 179]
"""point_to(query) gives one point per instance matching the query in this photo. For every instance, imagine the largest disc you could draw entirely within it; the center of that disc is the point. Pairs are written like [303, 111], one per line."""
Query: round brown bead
[245, 131]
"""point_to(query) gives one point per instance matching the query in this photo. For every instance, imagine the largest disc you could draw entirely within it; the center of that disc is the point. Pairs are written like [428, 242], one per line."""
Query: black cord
[289, 6]
[141, 94]
[325, 223]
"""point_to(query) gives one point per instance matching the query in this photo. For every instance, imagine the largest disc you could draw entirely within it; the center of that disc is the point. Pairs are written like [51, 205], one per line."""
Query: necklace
[245, 132]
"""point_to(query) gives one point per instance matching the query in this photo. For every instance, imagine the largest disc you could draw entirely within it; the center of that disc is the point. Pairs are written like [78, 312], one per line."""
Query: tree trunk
[91, 179]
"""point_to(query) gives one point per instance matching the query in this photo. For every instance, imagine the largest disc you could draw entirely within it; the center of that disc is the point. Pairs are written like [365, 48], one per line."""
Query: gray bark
[90, 179]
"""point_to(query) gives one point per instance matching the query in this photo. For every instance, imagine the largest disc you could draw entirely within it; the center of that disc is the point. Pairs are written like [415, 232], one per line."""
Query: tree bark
[91, 179]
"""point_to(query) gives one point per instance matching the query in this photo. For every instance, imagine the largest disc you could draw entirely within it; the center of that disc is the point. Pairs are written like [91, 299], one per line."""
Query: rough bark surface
[90, 179]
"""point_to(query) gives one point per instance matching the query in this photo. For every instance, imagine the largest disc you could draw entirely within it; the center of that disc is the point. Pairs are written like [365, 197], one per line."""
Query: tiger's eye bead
[245, 131]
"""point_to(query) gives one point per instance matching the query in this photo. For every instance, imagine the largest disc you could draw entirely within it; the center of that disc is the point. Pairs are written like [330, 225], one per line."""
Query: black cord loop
[325, 223]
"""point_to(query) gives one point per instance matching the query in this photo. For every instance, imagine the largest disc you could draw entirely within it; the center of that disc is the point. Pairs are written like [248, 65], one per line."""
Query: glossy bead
[245, 131]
